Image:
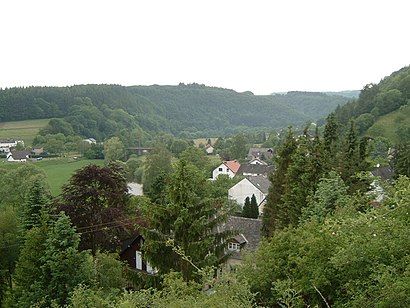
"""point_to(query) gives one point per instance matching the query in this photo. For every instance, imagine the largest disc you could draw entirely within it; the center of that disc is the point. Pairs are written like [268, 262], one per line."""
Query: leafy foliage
[96, 200]
[101, 111]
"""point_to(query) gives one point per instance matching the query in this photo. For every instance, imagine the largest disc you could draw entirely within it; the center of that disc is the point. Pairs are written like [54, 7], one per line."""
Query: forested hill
[190, 110]
[383, 109]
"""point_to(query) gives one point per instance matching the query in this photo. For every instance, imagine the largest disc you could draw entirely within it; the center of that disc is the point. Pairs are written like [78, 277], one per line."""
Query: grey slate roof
[385, 173]
[257, 153]
[20, 154]
[249, 229]
[260, 182]
[255, 169]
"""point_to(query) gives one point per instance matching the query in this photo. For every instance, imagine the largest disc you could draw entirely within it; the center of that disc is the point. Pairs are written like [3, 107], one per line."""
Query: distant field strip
[22, 130]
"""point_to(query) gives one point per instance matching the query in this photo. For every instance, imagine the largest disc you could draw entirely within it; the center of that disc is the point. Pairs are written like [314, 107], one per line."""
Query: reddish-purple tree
[96, 201]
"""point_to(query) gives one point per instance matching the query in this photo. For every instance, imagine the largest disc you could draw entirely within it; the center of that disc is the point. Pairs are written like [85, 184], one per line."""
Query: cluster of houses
[12, 155]
[248, 231]
[255, 177]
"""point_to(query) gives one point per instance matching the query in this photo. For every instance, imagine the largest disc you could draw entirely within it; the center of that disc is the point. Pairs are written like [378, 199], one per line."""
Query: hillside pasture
[22, 130]
[58, 170]
[388, 125]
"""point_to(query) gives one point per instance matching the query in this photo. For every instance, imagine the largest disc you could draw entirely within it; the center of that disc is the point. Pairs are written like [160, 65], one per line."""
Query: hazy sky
[260, 46]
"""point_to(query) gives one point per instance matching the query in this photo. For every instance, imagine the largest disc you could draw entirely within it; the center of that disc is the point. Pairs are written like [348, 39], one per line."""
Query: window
[220, 169]
[233, 246]
[138, 260]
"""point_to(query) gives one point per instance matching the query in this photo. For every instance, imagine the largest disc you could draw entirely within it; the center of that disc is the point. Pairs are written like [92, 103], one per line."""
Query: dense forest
[192, 110]
[377, 102]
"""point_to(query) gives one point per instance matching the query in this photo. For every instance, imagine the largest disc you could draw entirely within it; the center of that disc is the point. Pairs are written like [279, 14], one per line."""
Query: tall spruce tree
[254, 210]
[246, 210]
[36, 205]
[50, 265]
[185, 226]
[401, 160]
[279, 182]
[331, 142]
[299, 185]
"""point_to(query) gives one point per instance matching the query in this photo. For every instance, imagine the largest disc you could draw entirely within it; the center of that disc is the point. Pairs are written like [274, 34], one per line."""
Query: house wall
[244, 189]
[222, 169]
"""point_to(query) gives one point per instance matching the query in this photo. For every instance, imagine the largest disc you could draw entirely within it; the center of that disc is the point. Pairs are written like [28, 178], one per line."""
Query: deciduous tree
[95, 199]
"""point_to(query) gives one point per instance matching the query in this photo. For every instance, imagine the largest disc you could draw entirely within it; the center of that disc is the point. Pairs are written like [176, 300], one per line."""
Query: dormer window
[233, 246]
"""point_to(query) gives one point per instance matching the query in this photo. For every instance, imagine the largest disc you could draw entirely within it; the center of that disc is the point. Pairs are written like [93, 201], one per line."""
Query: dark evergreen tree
[401, 160]
[353, 160]
[254, 210]
[299, 185]
[331, 141]
[36, 205]
[246, 210]
[50, 265]
[283, 159]
[185, 226]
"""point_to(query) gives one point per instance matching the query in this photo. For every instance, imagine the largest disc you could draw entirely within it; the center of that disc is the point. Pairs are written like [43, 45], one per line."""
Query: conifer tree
[187, 221]
[254, 211]
[36, 205]
[50, 265]
[284, 158]
[401, 160]
[246, 210]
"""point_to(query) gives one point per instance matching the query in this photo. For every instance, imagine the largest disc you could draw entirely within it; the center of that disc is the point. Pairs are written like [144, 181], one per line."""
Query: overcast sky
[259, 46]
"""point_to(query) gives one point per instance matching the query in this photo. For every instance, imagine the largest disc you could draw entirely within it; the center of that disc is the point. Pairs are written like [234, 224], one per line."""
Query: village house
[7, 145]
[255, 167]
[131, 253]
[248, 236]
[37, 150]
[252, 185]
[229, 168]
[18, 156]
[260, 153]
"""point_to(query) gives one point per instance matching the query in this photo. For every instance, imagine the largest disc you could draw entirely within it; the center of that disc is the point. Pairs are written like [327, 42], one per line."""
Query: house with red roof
[229, 168]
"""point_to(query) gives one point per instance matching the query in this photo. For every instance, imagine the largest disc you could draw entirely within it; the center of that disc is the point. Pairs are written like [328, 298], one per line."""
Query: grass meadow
[22, 130]
[58, 170]
[387, 125]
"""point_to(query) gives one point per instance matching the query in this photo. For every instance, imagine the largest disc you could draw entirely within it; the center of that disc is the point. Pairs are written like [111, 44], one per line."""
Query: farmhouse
[37, 150]
[18, 156]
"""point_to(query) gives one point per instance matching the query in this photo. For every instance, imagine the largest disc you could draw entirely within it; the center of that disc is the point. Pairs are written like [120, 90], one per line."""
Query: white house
[7, 145]
[90, 141]
[253, 185]
[229, 168]
[18, 156]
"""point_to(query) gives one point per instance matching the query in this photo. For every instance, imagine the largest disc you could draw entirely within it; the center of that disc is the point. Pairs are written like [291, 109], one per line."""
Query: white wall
[244, 189]
[222, 169]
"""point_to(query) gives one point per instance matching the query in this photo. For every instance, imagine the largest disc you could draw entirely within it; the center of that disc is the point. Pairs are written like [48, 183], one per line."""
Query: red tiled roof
[233, 165]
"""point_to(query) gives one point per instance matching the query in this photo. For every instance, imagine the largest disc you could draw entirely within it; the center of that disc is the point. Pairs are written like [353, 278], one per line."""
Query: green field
[58, 171]
[387, 125]
[22, 130]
